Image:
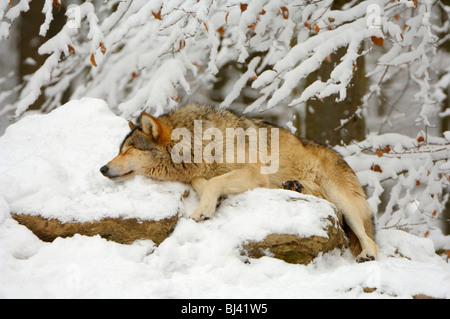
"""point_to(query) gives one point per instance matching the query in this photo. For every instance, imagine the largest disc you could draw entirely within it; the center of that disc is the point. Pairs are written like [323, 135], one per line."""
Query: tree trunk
[30, 41]
[323, 117]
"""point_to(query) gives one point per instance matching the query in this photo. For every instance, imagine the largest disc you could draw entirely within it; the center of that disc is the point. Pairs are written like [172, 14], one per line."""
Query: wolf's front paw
[200, 215]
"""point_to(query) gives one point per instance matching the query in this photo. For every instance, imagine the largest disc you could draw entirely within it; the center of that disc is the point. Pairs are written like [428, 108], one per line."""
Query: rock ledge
[123, 231]
[296, 250]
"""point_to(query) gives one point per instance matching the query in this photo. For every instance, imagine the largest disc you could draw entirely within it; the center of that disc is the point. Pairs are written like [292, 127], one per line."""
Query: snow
[49, 166]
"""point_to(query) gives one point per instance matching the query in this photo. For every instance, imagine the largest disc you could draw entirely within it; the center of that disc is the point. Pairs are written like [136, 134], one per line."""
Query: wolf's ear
[150, 125]
[131, 125]
[154, 127]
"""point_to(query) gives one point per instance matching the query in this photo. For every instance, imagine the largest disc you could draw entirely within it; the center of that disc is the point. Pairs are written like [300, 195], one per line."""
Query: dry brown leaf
[379, 153]
[102, 48]
[93, 60]
[285, 12]
[71, 49]
[376, 168]
[378, 41]
[157, 15]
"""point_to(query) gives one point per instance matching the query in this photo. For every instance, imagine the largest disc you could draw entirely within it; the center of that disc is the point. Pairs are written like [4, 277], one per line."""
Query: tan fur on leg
[236, 181]
[199, 183]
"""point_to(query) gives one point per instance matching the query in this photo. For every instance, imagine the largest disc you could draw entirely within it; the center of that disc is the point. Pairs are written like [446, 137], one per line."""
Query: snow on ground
[49, 165]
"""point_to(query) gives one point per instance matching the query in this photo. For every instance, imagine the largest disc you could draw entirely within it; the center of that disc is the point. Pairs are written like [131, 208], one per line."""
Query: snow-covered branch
[118, 49]
[415, 170]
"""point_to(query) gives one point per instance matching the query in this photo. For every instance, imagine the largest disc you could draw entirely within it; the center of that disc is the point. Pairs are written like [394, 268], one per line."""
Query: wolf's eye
[126, 149]
[145, 147]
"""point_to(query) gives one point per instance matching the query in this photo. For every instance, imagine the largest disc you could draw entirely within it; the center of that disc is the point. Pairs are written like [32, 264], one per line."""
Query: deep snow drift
[49, 165]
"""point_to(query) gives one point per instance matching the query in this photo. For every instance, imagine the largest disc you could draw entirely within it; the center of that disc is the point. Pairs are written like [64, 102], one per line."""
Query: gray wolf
[163, 149]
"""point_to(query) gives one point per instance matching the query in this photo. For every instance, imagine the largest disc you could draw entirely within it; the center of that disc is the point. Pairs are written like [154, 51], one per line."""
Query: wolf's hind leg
[236, 181]
[359, 219]
[369, 248]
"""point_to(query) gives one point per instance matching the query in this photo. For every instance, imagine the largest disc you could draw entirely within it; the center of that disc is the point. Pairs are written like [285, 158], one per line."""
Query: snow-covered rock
[298, 250]
[120, 230]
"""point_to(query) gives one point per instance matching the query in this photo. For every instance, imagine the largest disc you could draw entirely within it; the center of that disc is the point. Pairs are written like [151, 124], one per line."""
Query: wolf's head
[142, 152]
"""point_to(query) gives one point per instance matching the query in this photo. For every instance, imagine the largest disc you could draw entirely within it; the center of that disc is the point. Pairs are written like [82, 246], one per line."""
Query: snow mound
[255, 214]
[400, 243]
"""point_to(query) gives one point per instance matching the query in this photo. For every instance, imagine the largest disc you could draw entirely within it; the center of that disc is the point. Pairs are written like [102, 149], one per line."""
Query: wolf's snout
[104, 170]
